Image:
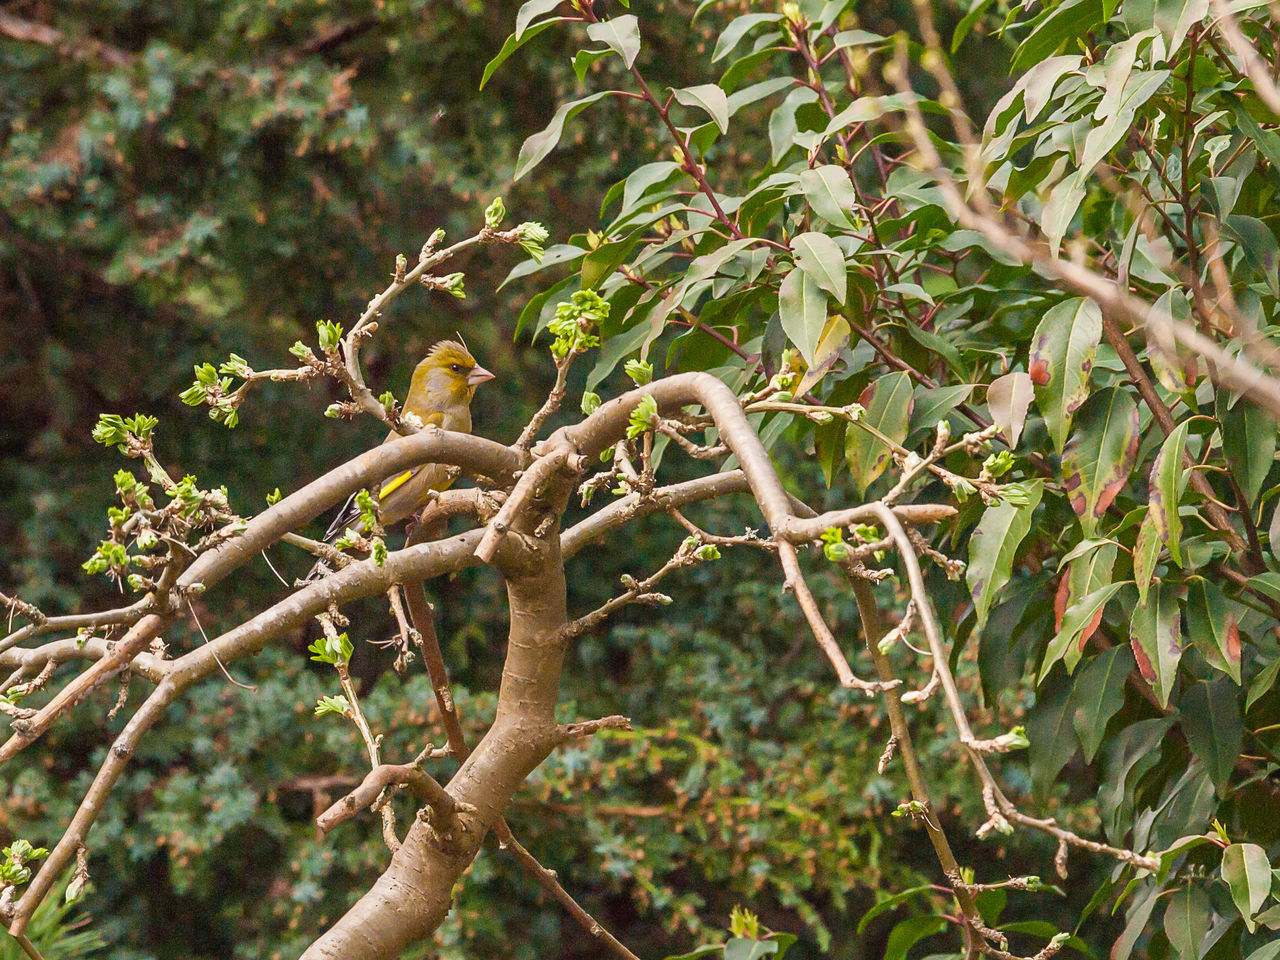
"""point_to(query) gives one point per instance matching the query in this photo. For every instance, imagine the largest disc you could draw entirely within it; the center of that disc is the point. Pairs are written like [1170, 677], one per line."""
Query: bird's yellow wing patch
[391, 485]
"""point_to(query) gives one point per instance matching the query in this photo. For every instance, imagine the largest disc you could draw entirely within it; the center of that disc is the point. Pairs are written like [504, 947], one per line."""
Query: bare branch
[448, 811]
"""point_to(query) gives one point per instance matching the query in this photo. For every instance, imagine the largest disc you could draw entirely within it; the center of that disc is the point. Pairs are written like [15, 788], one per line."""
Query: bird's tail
[347, 517]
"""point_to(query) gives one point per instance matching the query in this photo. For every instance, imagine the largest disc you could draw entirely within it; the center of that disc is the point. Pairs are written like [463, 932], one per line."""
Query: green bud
[453, 284]
[708, 551]
[639, 371]
[274, 497]
[590, 402]
[330, 334]
[532, 236]
[299, 350]
[495, 213]
[338, 705]
[333, 411]
[642, 416]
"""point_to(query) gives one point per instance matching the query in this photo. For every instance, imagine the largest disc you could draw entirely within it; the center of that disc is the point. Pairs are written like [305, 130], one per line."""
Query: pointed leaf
[1097, 696]
[530, 11]
[619, 34]
[1008, 398]
[1082, 615]
[1249, 442]
[1146, 550]
[1155, 633]
[1211, 721]
[540, 144]
[994, 544]
[1211, 626]
[819, 257]
[829, 193]
[732, 35]
[932, 404]
[708, 97]
[835, 337]
[514, 43]
[888, 903]
[907, 933]
[1062, 350]
[1097, 460]
[1049, 728]
[802, 307]
[1166, 489]
[888, 410]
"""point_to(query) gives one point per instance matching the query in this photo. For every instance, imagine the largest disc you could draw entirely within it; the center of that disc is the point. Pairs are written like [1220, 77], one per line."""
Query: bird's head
[448, 375]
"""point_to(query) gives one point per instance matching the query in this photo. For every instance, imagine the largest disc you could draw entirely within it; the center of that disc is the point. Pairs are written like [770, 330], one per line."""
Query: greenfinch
[440, 393]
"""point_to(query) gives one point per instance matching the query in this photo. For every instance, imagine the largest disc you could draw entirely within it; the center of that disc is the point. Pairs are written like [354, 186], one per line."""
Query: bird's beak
[478, 375]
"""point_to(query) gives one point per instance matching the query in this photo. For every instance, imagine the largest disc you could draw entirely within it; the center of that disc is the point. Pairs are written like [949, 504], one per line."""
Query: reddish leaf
[1100, 455]
[1061, 357]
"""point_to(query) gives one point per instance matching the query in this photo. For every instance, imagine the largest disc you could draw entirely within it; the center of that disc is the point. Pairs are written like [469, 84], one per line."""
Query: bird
[440, 393]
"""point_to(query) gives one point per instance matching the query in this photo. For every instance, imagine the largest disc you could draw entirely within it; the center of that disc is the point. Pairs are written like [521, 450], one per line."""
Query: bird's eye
[456, 368]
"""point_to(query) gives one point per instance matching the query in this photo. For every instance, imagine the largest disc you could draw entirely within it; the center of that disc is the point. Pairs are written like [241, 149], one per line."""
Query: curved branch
[424, 786]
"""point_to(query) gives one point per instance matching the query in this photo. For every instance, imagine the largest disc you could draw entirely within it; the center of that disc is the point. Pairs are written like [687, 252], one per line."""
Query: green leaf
[909, 932]
[818, 256]
[1212, 627]
[1249, 443]
[1146, 550]
[1061, 357]
[1155, 633]
[1166, 490]
[1074, 18]
[1097, 460]
[1051, 732]
[1258, 244]
[1077, 619]
[1008, 398]
[1267, 140]
[829, 193]
[740, 948]
[967, 21]
[802, 307]
[1186, 921]
[1097, 695]
[890, 903]
[1268, 951]
[708, 97]
[514, 43]
[1211, 721]
[887, 405]
[993, 546]
[863, 110]
[641, 180]
[1102, 137]
[782, 121]
[1136, 918]
[1245, 868]
[619, 34]
[530, 11]
[738, 28]
[933, 404]
[540, 144]
[583, 59]
[1262, 683]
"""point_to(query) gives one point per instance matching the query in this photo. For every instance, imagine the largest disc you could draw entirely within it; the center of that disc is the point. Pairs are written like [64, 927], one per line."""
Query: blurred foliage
[178, 183]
